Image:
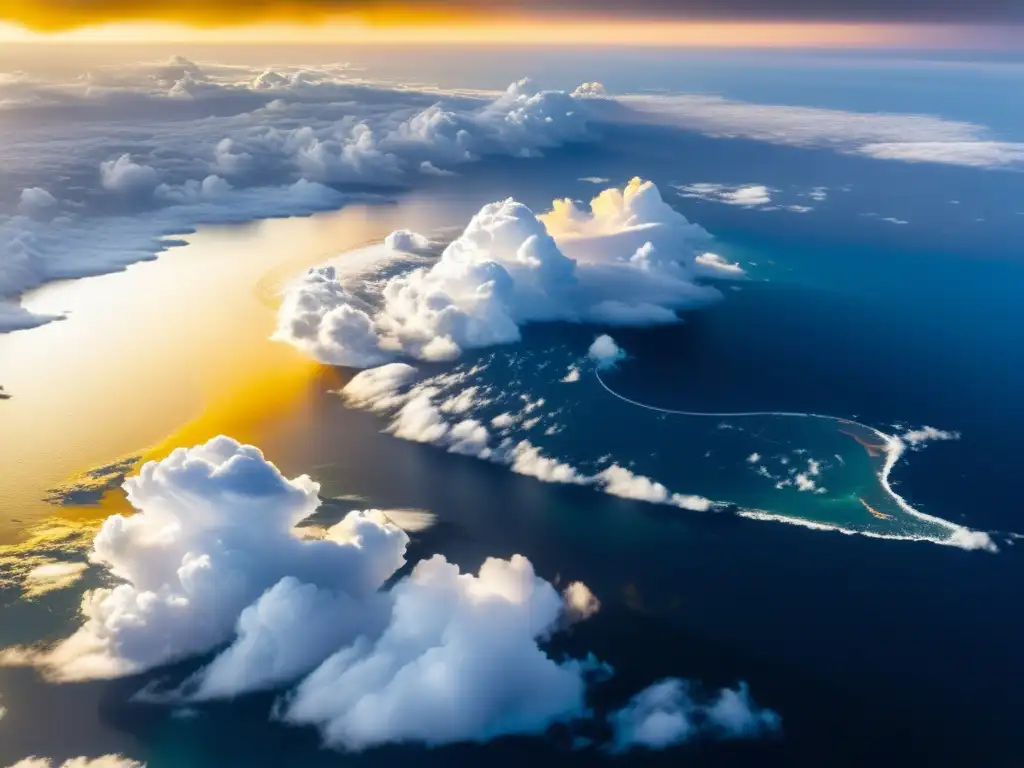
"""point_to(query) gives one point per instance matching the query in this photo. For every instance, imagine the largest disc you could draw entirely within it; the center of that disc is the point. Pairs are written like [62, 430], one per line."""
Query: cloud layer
[884, 136]
[160, 148]
[628, 260]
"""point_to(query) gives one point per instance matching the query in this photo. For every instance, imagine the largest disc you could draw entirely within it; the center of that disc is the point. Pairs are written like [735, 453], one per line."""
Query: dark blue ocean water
[874, 652]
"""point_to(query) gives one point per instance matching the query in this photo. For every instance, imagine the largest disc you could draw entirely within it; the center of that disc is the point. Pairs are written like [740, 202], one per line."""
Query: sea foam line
[894, 448]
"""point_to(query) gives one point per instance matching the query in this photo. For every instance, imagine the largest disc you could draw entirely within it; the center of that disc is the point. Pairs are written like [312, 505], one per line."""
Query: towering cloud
[628, 260]
[214, 532]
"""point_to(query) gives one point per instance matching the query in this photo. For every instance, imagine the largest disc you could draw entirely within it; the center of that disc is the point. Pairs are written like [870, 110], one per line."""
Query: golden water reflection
[166, 353]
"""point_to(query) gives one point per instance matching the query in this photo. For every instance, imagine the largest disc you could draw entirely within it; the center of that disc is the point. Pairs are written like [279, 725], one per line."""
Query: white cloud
[511, 267]
[504, 420]
[51, 576]
[415, 415]
[580, 602]
[524, 458]
[667, 713]
[713, 265]
[971, 154]
[203, 138]
[125, 176]
[213, 532]
[571, 376]
[34, 250]
[377, 388]
[210, 188]
[107, 761]
[619, 481]
[594, 179]
[212, 558]
[404, 241]
[459, 661]
[36, 201]
[605, 352]
[885, 136]
[746, 196]
[754, 458]
[926, 434]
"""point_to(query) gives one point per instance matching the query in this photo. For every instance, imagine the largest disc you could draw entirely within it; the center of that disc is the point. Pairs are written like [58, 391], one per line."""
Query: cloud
[51, 576]
[34, 250]
[216, 144]
[417, 413]
[926, 434]
[127, 177]
[747, 196]
[511, 267]
[107, 761]
[378, 388]
[970, 154]
[580, 602]
[212, 558]
[571, 376]
[881, 135]
[213, 532]
[459, 661]
[36, 202]
[212, 561]
[604, 352]
[667, 713]
[404, 241]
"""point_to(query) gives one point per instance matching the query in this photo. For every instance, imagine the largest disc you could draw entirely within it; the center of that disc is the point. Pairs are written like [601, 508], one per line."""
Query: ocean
[873, 651]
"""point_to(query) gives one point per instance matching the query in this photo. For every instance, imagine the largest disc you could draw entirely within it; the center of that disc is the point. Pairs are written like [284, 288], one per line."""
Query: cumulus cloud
[209, 141]
[125, 176]
[459, 661]
[212, 559]
[406, 242]
[418, 413]
[107, 761]
[630, 260]
[622, 482]
[379, 388]
[926, 434]
[213, 532]
[571, 376]
[668, 713]
[604, 352]
[36, 201]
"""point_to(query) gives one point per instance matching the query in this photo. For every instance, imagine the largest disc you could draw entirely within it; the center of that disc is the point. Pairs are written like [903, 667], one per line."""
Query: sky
[703, 23]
